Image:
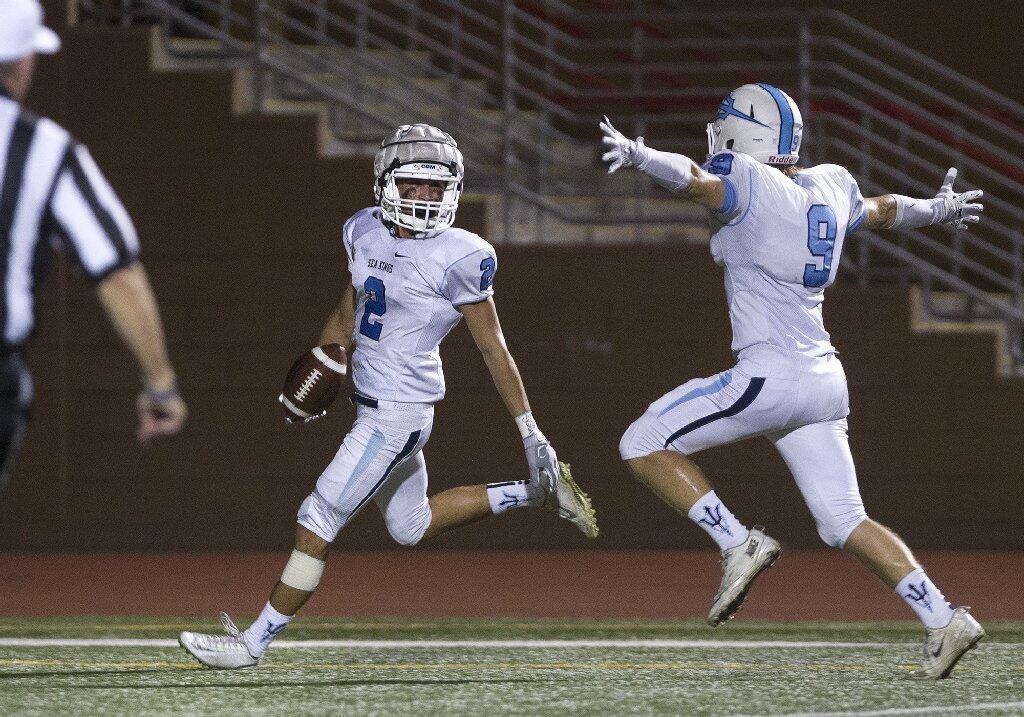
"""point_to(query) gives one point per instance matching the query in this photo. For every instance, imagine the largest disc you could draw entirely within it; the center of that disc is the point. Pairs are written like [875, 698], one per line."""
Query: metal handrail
[963, 82]
[935, 170]
[947, 101]
[549, 70]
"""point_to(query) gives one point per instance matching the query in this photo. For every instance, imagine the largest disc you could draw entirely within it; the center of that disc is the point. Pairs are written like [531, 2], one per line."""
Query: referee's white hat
[22, 31]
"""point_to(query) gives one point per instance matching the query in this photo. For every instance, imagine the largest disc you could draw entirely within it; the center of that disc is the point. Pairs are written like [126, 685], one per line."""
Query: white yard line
[441, 644]
[937, 709]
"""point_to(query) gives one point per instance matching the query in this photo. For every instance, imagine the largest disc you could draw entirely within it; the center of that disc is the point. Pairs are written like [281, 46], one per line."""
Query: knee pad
[409, 528]
[638, 440]
[837, 529]
[320, 517]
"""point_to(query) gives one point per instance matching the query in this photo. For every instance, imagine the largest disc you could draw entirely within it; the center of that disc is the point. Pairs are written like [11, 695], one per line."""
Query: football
[313, 383]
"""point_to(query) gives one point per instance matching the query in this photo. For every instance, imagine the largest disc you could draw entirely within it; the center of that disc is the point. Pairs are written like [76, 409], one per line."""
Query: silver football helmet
[418, 151]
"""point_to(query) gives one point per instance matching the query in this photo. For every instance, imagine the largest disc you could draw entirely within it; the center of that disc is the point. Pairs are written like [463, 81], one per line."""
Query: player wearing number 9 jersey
[778, 232]
[414, 277]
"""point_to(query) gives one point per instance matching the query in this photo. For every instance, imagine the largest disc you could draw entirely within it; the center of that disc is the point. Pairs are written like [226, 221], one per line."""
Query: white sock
[925, 599]
[718, 521]
[512, 494]
[264, 629]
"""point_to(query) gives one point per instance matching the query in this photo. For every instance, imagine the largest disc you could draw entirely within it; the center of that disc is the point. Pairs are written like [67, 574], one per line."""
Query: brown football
[313, 383]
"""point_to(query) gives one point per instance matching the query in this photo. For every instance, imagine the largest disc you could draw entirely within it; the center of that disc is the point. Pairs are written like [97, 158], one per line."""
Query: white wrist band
[916, 213]
[672, 171]
[527, 426]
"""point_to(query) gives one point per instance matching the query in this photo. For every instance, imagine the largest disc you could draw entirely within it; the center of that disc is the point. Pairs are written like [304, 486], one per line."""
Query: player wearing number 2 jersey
[414, 277]
[778, 233]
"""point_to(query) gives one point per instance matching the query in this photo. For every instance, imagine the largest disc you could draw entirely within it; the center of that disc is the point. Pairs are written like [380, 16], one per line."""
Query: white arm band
[527, 426]
[672, 171]
[915, 213]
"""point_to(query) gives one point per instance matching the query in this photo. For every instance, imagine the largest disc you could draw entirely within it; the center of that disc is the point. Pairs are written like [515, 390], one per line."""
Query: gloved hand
[957, 209]
[622, 151]
[540, 456]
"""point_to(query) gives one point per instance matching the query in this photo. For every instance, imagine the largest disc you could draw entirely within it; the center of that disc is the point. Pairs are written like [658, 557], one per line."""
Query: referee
[53, 194]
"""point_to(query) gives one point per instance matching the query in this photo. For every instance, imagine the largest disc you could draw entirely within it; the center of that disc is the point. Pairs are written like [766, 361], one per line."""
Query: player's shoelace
[229, 625]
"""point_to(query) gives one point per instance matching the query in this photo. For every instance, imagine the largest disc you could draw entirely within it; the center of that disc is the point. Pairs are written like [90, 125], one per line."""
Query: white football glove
[959, 210]
[948, 207]
[622, 151]
[541, 458]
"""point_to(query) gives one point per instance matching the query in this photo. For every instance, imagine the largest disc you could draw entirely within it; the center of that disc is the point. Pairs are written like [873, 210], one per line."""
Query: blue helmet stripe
[785, 114]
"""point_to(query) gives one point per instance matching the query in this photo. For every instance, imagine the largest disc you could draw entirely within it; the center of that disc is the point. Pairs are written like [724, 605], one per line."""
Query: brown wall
[240, 224]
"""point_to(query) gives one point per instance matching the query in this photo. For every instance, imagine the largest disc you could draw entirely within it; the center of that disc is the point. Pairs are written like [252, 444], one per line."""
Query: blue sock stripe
[753, 389]
[785, 115]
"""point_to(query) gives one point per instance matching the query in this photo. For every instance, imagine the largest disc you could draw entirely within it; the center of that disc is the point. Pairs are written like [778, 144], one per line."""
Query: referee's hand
[161, 413]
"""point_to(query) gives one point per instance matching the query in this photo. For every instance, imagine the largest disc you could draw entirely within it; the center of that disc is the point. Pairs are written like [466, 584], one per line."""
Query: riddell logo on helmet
[782, 159]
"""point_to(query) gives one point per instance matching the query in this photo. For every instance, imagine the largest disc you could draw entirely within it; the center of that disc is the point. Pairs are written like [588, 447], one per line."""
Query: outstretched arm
[675, 172]
[895, 211]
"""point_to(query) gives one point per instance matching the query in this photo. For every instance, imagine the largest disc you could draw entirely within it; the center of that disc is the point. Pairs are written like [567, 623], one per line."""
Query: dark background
[240, 222]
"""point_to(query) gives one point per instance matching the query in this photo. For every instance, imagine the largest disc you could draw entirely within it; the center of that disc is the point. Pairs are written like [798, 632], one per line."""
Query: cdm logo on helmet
[759, 120]
[423, 152]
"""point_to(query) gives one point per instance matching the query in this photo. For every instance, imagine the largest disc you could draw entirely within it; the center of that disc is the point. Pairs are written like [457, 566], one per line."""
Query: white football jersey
[408, 291]
[779, 240]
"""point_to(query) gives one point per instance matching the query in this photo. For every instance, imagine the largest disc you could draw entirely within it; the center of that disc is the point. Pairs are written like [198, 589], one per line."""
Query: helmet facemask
[420, 215]
[418, 152]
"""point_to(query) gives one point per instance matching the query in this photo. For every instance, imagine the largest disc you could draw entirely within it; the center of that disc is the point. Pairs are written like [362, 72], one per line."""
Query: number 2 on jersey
[821, 240]
[488, 268]
[376, 305]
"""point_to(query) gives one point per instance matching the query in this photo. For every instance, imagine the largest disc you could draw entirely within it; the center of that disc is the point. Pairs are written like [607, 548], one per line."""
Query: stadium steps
[347, 135]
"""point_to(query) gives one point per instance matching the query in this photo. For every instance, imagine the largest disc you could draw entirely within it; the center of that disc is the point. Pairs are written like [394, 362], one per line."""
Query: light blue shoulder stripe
[714, 387]
[750, 202]
[730, 199]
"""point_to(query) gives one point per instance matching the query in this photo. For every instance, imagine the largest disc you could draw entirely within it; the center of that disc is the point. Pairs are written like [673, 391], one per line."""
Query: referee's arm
[99, 233]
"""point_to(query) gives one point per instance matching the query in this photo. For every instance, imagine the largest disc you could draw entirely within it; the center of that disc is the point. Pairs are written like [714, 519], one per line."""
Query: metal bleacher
[521, 84]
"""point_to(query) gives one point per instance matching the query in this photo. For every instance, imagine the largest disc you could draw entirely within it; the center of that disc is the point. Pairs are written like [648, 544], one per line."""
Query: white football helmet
[759, 120]
[418, 151]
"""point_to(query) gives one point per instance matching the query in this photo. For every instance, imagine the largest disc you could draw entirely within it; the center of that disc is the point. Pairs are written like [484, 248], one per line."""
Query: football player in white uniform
[414, 277]
[778, 232]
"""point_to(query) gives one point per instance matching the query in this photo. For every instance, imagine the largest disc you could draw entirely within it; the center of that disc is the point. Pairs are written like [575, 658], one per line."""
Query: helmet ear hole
[729, 143]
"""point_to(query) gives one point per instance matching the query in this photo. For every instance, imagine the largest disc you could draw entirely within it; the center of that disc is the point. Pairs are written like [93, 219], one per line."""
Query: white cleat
[944, 646]
[223, 652]
[565, 497]
[740, 565]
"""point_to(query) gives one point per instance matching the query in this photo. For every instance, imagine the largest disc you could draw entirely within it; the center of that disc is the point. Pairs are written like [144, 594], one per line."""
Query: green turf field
[509, 678]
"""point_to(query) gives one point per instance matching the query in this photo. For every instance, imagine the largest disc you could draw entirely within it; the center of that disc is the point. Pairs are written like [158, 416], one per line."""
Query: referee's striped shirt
[51, 193]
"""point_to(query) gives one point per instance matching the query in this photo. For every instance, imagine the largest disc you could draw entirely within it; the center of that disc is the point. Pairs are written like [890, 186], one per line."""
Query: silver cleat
[223, 652]
[740, 565]
[944, 646]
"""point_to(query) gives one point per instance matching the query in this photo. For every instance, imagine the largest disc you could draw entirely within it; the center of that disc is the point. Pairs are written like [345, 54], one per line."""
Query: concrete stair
[400, 87]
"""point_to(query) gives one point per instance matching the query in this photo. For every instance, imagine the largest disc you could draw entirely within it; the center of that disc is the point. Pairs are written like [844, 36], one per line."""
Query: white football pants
[381, 459]
[800, 404]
